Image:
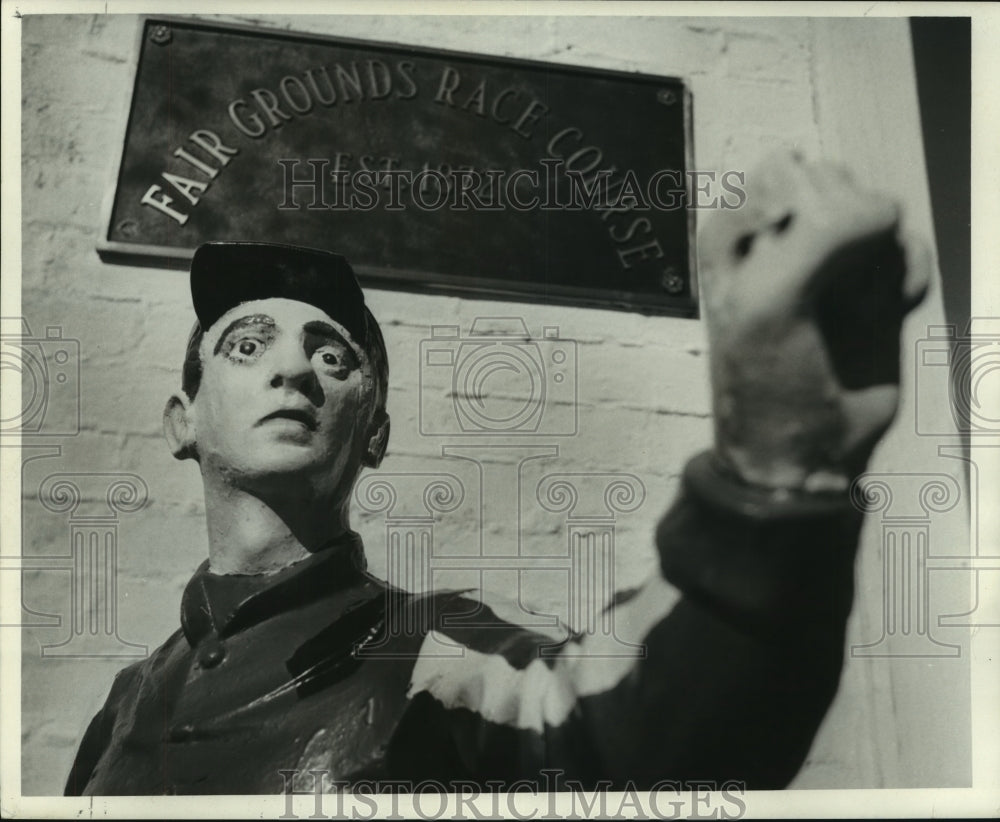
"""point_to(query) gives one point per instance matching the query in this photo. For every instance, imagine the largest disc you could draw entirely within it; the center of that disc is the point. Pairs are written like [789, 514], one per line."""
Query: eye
[332, 361]
[245, 349]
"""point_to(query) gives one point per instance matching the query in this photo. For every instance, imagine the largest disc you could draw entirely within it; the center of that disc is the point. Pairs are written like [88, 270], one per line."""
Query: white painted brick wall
[644, 401]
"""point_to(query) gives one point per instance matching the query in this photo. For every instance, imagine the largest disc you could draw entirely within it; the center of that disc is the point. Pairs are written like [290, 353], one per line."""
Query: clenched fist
[806, 288]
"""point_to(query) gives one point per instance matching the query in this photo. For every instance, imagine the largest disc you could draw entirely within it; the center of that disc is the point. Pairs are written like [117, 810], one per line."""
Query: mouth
[301, 416]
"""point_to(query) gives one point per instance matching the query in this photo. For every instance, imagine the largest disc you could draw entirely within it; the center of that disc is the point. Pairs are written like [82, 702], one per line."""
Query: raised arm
[805, 292]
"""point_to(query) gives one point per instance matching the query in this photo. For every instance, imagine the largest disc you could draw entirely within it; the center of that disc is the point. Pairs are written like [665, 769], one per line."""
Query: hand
[806, 288]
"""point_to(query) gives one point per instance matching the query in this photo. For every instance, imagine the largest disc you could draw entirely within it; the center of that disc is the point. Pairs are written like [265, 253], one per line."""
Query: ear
[378, 439]
[178, 427]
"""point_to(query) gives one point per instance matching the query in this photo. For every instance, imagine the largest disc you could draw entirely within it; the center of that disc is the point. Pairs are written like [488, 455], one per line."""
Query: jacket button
[212, 654]
[182, 733]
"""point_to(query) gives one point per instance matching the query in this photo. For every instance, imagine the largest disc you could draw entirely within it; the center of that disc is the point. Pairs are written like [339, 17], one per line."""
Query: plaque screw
[160, 35]
[667, 96]
[127, 228]
[671, 281]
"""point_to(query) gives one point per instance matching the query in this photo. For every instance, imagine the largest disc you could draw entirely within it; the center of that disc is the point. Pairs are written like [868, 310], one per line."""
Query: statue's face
[284, 392]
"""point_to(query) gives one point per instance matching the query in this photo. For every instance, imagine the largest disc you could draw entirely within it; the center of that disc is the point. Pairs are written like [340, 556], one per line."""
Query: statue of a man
[283, 402]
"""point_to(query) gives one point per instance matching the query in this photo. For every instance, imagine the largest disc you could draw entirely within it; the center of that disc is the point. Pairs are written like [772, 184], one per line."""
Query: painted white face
[285, 392]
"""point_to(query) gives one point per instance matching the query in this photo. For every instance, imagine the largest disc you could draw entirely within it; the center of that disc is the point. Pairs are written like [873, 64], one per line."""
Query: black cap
[225, 274]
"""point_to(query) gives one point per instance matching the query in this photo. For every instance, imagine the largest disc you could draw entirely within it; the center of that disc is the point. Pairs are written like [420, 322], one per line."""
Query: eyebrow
[322, 329]
[243, 322]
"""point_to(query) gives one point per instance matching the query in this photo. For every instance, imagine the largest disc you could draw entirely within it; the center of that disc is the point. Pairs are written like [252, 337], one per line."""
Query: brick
[63, 695]
[662, 379]
[756, 101]
[780, 57]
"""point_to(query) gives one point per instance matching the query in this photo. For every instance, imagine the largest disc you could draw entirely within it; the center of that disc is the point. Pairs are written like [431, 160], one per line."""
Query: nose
[291, 368]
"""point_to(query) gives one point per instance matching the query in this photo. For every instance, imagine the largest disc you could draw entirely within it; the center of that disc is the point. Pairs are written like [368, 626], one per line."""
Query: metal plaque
[429, 170]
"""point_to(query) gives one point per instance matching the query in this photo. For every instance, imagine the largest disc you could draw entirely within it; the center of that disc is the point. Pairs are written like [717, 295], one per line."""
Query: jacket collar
[224, 604]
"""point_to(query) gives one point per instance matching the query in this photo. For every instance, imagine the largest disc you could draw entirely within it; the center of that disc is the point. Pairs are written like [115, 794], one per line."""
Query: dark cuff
[778, 562]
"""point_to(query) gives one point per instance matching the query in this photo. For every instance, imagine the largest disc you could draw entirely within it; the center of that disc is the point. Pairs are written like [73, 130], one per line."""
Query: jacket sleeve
[95, 740]
[98, 735]
[730, 682]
